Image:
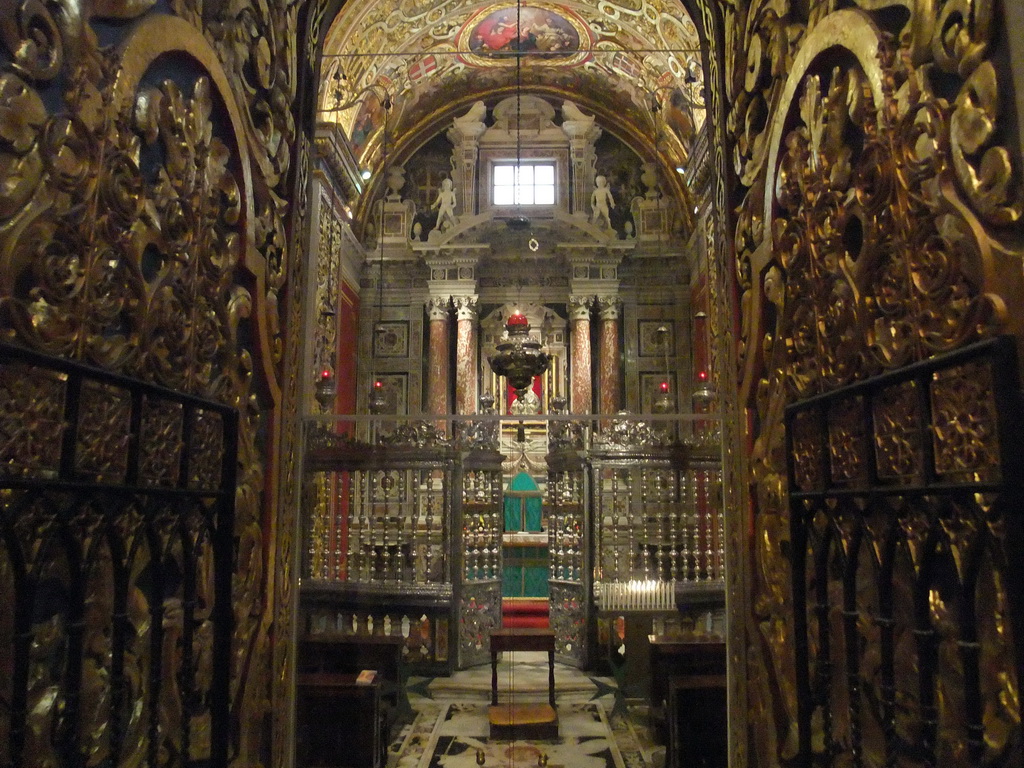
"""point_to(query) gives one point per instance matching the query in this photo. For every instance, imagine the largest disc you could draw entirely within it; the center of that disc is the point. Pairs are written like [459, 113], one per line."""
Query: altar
[524, 542]
[424, 535]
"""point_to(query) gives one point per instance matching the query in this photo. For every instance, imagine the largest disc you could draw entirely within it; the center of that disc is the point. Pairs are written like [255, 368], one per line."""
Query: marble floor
[598, 728]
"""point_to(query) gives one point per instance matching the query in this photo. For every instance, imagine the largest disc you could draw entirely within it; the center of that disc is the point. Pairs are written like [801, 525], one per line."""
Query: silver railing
[408, 513]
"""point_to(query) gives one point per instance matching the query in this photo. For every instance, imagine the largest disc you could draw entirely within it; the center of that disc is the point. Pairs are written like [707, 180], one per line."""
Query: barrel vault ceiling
[634, 64]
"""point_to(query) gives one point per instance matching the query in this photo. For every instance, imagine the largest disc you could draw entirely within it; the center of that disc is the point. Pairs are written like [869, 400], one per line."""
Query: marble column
[581, 385]
[437, 356]
[609, 372]
[465, 354]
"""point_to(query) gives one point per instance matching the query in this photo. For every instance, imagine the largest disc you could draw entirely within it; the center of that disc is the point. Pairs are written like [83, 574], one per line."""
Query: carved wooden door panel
[879, 226]
[147, 157]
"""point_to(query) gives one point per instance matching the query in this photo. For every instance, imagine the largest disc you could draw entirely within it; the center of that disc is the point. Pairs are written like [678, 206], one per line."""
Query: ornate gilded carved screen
[906, 516]
[116, 555]
[875, 158]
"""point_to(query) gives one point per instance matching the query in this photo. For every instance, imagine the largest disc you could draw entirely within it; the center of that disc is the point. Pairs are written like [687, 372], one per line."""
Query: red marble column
[437, 356]
[609, 374]
[581, 385]
[465, 355]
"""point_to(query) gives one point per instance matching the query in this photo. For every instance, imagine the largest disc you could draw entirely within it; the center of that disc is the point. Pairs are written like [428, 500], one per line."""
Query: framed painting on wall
[654, 340]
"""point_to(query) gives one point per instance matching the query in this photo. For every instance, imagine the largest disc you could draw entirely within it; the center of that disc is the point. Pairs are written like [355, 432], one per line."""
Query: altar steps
[524, 612]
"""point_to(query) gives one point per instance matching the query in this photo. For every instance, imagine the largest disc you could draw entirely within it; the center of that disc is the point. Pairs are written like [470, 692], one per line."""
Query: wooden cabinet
[338, 722]
[688, 695]
[340, 655]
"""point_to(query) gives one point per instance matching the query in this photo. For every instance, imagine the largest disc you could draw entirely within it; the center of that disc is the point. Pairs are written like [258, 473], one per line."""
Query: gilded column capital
[437, 307]
[465, 307]
[609, 307]
[579, 307]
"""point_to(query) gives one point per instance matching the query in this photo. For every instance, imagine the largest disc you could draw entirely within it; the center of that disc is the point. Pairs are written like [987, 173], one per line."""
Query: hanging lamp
[519, 357]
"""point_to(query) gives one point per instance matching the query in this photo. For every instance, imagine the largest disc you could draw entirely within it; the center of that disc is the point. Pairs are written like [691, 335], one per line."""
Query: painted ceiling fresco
[433, 59]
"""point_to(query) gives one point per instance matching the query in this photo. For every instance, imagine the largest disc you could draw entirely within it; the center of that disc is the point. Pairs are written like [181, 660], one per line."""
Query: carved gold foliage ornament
[328, 279]
[847, 446]
[897, 422]
[879, 225]
[103, 433]
[965, 438]
[31, 404]
[145, 173]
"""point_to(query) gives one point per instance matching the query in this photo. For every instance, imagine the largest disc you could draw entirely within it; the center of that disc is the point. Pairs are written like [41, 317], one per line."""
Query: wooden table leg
[551, 677]
[494, 677]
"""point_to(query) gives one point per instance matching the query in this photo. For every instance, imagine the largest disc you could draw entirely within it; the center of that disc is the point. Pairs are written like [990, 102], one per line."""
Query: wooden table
[523, 721]
[523, 639]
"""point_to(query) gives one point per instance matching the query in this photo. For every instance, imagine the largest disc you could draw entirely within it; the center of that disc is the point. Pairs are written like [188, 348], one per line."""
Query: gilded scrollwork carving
[965, 438]
[143, 229]
[206, 450]
[39, 395]
[328, 276]
[30, 31]
[897, 420]
[847, 442]
[103, 433]
[880, 209]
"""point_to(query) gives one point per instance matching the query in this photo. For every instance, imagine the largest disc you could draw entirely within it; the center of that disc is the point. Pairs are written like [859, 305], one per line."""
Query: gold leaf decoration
[878, 203]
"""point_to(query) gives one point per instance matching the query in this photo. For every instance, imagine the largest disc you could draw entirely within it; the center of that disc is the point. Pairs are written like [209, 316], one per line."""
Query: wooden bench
[525, 720]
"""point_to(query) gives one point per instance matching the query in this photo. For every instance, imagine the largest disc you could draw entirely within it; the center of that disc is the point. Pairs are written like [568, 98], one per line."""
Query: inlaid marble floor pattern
[451, 726]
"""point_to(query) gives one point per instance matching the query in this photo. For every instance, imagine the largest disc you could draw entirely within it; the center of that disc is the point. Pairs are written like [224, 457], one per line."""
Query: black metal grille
[116, 557]
[905, 501]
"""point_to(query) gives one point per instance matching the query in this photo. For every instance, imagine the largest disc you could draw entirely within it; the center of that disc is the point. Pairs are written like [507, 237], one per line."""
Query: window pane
[504, 175]
[526, 184]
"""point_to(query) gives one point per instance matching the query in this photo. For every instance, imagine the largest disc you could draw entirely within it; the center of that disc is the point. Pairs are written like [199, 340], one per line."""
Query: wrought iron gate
[116, 557]
[905, 495]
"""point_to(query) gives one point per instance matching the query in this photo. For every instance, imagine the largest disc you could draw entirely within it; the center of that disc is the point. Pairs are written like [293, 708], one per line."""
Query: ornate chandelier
[519, 358]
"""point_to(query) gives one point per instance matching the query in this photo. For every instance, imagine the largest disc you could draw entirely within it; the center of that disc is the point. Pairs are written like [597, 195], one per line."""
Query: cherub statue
[445, 204]
[601, 202]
